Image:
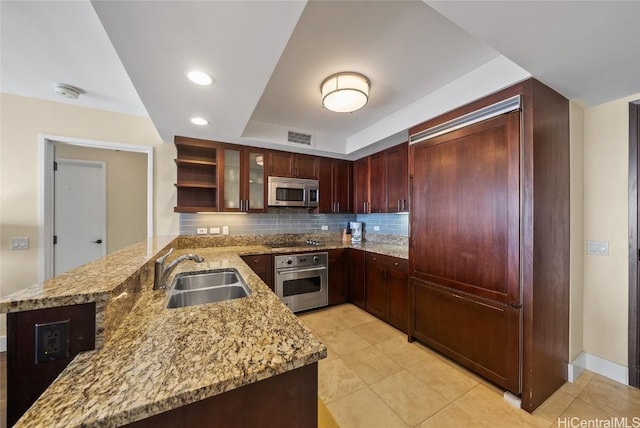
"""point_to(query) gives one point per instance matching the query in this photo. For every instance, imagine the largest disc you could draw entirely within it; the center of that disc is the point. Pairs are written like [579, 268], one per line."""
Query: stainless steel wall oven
[301, 280]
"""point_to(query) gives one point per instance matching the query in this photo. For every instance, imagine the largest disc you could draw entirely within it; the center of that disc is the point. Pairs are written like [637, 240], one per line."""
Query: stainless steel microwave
[292, 192]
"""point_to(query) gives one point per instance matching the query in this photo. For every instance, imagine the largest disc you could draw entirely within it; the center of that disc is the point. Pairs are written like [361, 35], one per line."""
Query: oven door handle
[295, 270]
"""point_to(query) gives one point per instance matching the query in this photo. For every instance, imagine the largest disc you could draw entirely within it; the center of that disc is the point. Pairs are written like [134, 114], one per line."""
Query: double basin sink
[197, 288]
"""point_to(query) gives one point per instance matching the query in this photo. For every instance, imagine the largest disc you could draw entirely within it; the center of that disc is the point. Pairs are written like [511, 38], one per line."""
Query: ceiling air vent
[299, 138]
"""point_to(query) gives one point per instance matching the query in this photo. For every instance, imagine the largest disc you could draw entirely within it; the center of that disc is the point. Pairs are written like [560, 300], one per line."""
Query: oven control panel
[301, 260]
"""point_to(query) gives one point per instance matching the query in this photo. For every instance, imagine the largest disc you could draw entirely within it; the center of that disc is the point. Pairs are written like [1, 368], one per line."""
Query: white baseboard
[606, 368]
[3, 343]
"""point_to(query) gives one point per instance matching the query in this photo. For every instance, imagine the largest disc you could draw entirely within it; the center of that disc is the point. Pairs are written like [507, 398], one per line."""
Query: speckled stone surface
[160, 359]
[152, 359]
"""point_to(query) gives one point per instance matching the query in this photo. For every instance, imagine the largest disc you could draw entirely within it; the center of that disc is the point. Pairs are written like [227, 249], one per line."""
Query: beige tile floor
[373, 377]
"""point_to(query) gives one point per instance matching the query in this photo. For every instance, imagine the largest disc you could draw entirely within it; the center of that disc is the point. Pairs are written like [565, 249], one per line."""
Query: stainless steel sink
[205, 280]
[197, 288]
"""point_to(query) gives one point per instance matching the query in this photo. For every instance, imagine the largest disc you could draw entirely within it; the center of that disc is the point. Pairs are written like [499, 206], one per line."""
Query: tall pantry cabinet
[489, 245]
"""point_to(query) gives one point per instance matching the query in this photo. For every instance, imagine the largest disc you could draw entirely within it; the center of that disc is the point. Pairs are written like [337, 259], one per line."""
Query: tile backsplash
[292, 220]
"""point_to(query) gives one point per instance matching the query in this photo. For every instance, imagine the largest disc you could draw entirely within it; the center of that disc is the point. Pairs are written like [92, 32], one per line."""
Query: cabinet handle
[246, 205]
[399, 209]
[338, 204]
[241, 204]
[396, 263]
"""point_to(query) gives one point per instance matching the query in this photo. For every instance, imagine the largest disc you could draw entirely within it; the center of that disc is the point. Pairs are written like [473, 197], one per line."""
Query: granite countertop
[161, 359]
[154, 359]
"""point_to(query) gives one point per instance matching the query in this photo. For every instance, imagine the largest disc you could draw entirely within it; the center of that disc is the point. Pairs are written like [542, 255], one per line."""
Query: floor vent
[299, 138]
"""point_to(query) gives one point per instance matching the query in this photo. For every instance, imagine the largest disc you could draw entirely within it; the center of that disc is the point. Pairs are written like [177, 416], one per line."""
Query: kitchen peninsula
[151, 362]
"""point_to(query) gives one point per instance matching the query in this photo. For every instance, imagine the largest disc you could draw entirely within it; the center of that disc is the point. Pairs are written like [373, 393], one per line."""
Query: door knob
[99, 241]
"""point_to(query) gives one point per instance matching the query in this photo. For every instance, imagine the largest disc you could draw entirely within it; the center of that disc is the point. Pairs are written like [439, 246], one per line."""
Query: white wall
[22, 119]
[606, 157]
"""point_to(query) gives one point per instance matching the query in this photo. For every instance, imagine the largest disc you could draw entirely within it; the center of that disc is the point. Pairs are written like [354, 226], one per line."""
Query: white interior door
[79, 213]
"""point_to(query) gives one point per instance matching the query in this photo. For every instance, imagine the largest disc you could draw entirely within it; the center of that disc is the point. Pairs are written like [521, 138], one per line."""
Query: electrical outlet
[19, 243]
[214, 230]
[225, 230]
[325, 227]
[376, 228]
[201, 231]
[52, 341]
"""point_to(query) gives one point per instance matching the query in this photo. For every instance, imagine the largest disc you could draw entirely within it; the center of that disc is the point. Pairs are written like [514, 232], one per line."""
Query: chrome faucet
[162, 272]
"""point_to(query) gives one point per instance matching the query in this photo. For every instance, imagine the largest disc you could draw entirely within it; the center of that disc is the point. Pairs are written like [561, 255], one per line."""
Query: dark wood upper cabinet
[378, 182]
[361, 198]
[381, 181]
[397, 177]
[286, 164]
[196, 175]
[242, 179]
[334, 182]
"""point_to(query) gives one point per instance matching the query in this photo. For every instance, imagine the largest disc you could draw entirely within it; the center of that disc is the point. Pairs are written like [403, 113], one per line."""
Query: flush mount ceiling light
[345, 92]
[199, 77]
[199, 121]
[67, 91]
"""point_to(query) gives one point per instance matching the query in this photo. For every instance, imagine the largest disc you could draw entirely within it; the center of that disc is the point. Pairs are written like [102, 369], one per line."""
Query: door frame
[46, 157]
[103, 202]
[634, 247]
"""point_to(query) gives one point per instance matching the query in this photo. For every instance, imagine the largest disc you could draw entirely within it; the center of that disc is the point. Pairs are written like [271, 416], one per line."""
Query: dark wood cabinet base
[26, 379]
[286, 400]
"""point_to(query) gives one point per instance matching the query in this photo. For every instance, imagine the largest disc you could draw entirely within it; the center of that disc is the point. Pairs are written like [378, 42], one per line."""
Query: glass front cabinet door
[244, 180]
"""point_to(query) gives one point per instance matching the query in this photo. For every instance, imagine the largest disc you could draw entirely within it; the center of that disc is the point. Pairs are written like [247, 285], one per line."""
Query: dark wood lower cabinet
[357, 273]
[387, 289]
[339, 279]
[26, 379]
[262, 265]
[478, 334]
[286, 400]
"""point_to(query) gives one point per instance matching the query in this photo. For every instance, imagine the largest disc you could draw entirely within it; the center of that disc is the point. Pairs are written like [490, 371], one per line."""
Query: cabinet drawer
[388, 261]
[477, 333]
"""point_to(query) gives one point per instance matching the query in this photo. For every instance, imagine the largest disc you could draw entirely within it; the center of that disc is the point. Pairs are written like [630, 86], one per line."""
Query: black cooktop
[308, 243]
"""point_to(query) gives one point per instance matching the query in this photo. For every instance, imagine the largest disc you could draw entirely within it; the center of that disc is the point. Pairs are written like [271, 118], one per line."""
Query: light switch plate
[598, 248]
[325, 227]
[19, 243]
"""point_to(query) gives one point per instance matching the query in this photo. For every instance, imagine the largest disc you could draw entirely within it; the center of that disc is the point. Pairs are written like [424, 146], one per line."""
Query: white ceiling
[268, 58]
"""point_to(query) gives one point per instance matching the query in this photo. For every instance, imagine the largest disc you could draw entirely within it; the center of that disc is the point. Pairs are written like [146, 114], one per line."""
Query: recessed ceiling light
[199, 77]
[199, 121]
